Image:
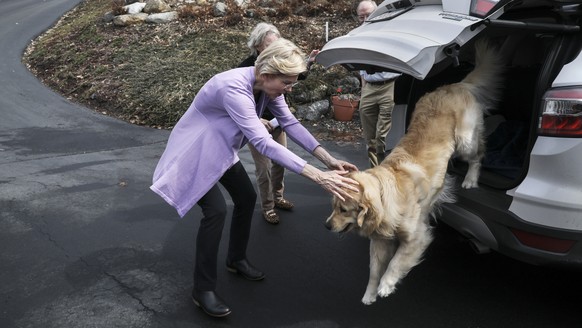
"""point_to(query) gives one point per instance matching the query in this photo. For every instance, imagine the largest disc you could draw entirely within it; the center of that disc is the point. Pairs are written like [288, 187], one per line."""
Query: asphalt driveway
[84, 243]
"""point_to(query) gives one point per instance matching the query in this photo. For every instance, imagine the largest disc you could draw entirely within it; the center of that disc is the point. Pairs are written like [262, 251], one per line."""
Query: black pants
[236, 181]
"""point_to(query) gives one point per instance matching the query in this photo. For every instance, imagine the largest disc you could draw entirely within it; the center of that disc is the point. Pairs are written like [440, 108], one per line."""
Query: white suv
[529, 201]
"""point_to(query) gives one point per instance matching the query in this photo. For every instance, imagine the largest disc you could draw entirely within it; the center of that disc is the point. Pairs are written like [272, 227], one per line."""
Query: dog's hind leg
[471, 144]
[381, 251]
[472, 176]
[408, 254]
[474, 158]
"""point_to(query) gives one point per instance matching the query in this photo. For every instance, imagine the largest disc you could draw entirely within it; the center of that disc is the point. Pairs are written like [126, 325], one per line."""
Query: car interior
[529, 53]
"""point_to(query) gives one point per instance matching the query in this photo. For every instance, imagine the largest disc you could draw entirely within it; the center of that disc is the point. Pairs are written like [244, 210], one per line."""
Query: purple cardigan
[205, 142]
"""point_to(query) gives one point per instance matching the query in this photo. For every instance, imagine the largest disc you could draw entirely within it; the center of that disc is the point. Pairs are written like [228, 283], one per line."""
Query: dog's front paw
[368, 299]
[385, 289]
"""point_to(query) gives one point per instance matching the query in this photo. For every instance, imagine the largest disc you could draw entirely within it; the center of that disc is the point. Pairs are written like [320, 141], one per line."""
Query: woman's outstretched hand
[336, 183]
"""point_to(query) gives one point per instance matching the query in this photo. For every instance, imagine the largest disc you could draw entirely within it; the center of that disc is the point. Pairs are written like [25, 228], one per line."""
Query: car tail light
[562, 113]
[482, 8]
[542, 242]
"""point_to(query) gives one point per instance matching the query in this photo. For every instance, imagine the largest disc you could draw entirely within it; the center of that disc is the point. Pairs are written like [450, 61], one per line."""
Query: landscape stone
[161, 18]
[129, 19]
[220, 9]
[314, 111]
[156, 6]
[134, 8]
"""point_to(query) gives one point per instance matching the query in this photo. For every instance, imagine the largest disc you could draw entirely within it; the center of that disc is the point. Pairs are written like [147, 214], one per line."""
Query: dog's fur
[397, 197]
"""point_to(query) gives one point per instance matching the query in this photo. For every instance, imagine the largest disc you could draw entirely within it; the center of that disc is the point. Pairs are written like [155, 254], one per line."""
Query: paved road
[84, 243]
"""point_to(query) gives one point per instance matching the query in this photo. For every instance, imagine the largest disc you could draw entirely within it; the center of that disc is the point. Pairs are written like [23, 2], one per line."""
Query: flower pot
[343, 108]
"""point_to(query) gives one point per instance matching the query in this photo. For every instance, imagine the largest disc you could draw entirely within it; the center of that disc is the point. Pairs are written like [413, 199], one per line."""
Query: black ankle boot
[245, 269]
[210, 303]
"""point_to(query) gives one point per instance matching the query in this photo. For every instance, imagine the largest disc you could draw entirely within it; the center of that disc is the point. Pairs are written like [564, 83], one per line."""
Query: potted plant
[344, 105]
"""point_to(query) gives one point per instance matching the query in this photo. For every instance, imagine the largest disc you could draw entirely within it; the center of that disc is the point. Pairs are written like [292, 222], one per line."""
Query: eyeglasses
[289, 85]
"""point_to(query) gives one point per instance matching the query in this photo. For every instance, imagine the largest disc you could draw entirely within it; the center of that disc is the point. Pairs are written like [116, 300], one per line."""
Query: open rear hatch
[431, 31]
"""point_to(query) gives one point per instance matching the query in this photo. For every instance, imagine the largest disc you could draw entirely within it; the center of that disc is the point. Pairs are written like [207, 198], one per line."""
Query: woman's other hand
[267, 125]
[331, 162]
[340, 165]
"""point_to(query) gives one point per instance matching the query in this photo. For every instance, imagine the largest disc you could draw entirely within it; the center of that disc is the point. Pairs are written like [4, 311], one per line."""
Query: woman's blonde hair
[258, 35]
[281, 57]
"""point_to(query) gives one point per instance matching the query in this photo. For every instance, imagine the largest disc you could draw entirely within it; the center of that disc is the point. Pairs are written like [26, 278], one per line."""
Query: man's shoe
[271, 216]
[284, 204]
[210, 303]
[245, 269]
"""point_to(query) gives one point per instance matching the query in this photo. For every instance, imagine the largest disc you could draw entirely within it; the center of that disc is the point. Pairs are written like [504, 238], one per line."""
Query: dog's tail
[486, 78]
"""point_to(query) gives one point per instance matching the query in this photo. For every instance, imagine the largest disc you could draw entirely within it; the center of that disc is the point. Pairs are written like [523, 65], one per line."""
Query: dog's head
[365, 212]
[346, 214]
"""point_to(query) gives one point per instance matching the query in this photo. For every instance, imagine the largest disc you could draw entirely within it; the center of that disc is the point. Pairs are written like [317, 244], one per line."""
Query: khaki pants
[376, 105]
[269, 174]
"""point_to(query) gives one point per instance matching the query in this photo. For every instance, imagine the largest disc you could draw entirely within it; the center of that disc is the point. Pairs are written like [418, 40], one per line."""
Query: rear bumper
[493, 228]
[551, 193]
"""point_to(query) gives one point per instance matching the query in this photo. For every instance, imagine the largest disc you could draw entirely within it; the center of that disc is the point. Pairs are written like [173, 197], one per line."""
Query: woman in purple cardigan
[202, 151]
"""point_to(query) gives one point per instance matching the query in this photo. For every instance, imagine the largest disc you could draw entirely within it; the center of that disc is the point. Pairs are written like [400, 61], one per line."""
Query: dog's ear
[371, 198]
[369, 203]
[363, 210]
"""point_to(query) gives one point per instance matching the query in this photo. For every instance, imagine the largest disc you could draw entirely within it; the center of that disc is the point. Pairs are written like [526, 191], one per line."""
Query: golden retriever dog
[397, 197]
